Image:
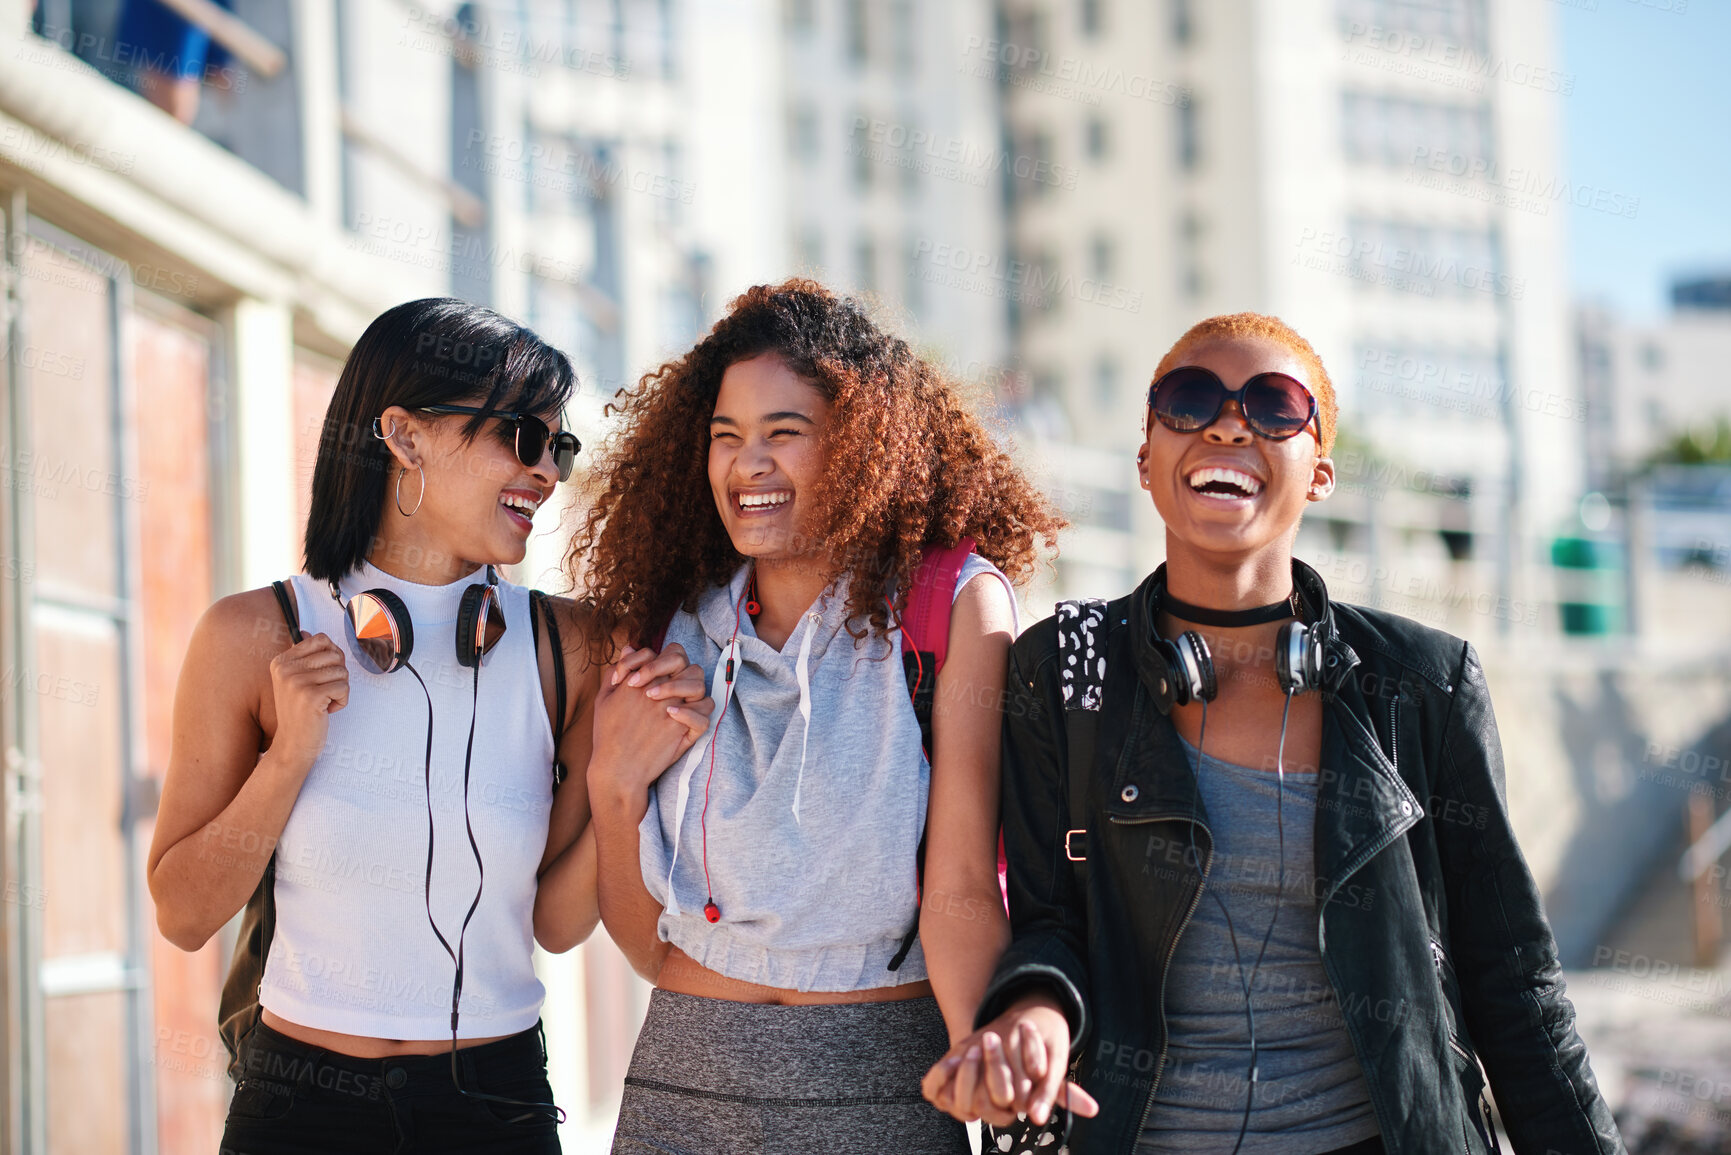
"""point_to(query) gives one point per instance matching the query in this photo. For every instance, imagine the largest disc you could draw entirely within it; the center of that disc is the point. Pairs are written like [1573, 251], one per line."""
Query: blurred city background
[1501, 222]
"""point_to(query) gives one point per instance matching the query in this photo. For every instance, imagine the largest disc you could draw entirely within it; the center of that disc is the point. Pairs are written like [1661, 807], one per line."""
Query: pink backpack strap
[926, 625]
[926, 641]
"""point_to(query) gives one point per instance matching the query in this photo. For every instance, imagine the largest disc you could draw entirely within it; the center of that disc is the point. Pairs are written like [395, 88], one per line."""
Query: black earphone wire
[1248, 984]
[1231, 933]
[1279, 894]
[457, 956]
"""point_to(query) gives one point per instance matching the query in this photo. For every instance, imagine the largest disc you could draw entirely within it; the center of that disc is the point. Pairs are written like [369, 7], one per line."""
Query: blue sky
[1649, 117]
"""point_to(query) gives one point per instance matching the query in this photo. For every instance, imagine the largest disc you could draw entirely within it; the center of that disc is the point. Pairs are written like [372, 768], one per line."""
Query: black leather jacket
[1430, 924]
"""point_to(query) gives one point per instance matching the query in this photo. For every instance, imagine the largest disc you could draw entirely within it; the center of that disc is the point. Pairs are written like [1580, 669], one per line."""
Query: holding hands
[1013, 1066]
[650, 709]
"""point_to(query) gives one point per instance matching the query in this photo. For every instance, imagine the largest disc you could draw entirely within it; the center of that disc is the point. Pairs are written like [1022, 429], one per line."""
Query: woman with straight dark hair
[807, 507]
[1265, 890]
[372, 752]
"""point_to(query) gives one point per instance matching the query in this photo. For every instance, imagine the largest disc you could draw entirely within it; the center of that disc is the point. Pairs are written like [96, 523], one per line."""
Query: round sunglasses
[1191, 398]
[531, 434]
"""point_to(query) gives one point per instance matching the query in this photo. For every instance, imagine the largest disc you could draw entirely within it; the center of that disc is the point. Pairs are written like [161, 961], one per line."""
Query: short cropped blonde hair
[1260, 326]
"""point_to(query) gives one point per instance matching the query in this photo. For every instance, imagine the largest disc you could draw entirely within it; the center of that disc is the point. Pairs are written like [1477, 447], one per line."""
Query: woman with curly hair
[767, 506]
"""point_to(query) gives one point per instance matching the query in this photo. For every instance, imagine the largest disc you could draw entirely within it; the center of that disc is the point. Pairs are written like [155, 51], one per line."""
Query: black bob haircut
[437, 351]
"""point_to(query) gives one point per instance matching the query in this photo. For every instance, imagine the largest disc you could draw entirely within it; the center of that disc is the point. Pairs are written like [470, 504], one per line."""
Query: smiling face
[1224, 490]
[480, 500]
[766, 456]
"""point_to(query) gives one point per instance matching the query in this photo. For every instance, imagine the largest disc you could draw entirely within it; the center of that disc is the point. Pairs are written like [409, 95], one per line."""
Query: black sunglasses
[532, 436]
[1191, 398]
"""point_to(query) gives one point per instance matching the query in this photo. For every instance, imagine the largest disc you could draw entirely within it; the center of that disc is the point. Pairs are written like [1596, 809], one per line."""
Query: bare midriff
[365, 1046]
[682, 975]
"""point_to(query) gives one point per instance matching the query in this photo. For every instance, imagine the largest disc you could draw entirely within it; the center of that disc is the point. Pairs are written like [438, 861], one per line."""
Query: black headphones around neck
[1188, 675]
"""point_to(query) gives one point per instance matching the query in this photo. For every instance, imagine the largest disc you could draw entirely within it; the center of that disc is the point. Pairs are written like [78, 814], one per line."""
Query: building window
[906, 136]
[1183, 23]
[1091, 17]
[1191, 280]
[860, 148]
[1400, 378]
[1044, 277]
[905, 38]
[667, 41]
[865, 261]
[1034, 160]
[910, 179]
[1102, 257]
[801, 15]
[802, 133]
[673, 168]
[1425, 260]
[1460, 22]
[856, 21]
[808, 249]
[1027, 38]
[1106, 382]
[1096, 135]
[1189, 134]
[1455, 139]
[913, 264]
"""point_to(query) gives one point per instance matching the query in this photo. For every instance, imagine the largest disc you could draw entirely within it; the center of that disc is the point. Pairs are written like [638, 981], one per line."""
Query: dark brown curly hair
[907, 466]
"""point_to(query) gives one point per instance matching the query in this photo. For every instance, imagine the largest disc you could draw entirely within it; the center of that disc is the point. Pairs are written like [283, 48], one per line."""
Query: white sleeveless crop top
[353, 949]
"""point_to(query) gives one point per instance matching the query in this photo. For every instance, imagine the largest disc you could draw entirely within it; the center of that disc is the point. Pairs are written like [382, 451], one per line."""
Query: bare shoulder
[229, 655]
[984, 601]
[576, 625]
[248, 627]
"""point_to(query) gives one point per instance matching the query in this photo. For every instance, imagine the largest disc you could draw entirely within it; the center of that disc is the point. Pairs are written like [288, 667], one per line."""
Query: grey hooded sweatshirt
[815, 804]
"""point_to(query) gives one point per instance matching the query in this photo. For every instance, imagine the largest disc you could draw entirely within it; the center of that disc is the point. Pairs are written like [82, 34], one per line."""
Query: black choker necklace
[1231, 619]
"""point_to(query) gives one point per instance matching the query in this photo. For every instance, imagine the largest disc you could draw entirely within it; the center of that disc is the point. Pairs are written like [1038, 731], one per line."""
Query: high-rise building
[1651, 383]
[1381, 175]
[895, 164]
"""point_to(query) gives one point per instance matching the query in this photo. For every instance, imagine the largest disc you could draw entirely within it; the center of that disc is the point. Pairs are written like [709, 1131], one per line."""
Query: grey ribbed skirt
[713, 1077]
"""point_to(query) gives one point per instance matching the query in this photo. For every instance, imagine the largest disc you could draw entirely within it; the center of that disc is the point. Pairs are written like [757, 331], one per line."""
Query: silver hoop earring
[380, 434]
[411, 512]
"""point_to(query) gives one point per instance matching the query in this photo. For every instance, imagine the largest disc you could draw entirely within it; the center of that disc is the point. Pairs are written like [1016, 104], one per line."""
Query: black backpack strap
[540, 611]
[238, 1009]
[283, 601]
[1083, 627]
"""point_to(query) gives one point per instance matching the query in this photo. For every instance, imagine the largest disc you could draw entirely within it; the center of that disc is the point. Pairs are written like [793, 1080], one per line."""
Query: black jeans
[295, 1099]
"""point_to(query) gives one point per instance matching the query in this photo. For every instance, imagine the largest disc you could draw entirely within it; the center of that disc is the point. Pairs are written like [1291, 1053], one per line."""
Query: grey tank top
[1311, 1094]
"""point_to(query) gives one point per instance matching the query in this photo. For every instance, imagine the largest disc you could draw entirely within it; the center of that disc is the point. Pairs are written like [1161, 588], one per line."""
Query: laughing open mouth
[520, 505]
[1228, 484]
[762, 501]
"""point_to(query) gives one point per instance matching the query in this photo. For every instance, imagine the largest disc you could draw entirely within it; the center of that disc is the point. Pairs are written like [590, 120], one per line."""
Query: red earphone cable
[710, 910]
